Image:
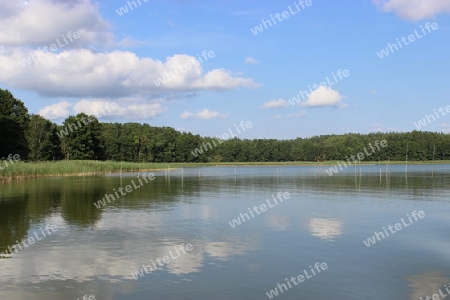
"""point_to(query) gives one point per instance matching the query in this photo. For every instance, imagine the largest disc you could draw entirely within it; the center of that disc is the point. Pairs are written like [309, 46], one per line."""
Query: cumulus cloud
[85, 73]
[414, 10]
[276, 103]
[221, 79]
[78, 71]
[103, 108]
[323, 96]
[205, 114]
[251, 61]
[97, 108]
[130, 108]
[41, 22]
[56, 111]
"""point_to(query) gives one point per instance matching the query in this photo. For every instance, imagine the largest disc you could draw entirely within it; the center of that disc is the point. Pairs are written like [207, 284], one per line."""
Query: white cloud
[373, 92]
[277, 117]
[205, 114]
[76, 70]
[56, 111]
[414, 10]
[41, 22]
[103, 108]
[129, 108]
[221, 79]
[323, 96]
[251, 61]
[140, 111]
[276, 103]
[85, 73]
[97, 108]
[445, 127]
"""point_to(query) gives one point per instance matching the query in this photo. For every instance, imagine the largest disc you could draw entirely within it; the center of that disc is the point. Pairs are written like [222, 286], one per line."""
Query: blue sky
[118, 58]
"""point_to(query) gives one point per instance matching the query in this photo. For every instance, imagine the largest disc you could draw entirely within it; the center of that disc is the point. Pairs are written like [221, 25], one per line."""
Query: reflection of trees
[14, 222]
[33, 200]
[74, 198]
[79, 195]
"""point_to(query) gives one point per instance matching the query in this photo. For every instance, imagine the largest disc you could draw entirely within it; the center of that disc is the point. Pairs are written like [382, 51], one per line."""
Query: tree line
[83, 137]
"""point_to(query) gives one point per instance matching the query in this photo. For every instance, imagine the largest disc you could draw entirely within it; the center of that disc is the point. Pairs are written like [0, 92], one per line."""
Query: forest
[83, 137]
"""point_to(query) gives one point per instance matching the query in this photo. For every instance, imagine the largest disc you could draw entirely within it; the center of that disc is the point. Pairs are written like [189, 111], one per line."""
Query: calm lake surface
[326, 219]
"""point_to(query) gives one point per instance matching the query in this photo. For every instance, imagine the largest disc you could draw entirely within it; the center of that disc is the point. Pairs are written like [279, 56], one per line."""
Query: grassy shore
[22, 170]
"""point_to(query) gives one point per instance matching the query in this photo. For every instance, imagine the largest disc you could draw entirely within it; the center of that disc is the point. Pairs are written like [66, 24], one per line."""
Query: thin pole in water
[379, 163]
[121, 163]
[406, 164]
[360, 174]
[388, 174]
[315, 170]
[432, 168]
[277, 174]
[168, 173]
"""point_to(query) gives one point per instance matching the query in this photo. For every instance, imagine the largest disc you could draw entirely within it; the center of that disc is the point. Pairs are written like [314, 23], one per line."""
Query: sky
[291, 68]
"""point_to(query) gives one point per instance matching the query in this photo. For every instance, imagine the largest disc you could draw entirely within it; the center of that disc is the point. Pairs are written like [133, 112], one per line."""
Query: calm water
[96, 251]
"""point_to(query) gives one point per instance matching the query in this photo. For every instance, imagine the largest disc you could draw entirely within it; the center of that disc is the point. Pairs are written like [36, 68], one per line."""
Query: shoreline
[29, 170]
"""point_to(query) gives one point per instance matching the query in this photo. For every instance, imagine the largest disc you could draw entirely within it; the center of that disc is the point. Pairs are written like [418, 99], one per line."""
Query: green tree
[43, 142]
[82, 138]
[14, 120]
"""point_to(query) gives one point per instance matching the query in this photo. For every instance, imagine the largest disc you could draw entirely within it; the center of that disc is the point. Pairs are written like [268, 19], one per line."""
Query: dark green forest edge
[82, 142]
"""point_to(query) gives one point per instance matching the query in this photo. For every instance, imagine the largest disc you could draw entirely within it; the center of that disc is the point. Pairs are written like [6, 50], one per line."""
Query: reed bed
[22, 170]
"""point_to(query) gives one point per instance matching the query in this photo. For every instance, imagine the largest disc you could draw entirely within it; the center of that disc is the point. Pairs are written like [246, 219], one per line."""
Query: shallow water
[326, 219]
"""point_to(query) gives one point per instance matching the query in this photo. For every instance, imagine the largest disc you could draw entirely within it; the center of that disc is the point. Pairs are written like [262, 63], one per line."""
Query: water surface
[327, 218]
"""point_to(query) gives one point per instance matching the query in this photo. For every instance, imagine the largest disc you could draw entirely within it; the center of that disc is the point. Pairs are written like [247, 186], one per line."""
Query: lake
[182, 235]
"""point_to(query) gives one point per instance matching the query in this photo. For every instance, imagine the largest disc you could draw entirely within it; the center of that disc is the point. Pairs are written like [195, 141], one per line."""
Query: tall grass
[21, 170]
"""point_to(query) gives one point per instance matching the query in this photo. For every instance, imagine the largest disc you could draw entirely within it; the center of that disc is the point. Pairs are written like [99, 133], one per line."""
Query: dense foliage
[14, 120]
[83, 137]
